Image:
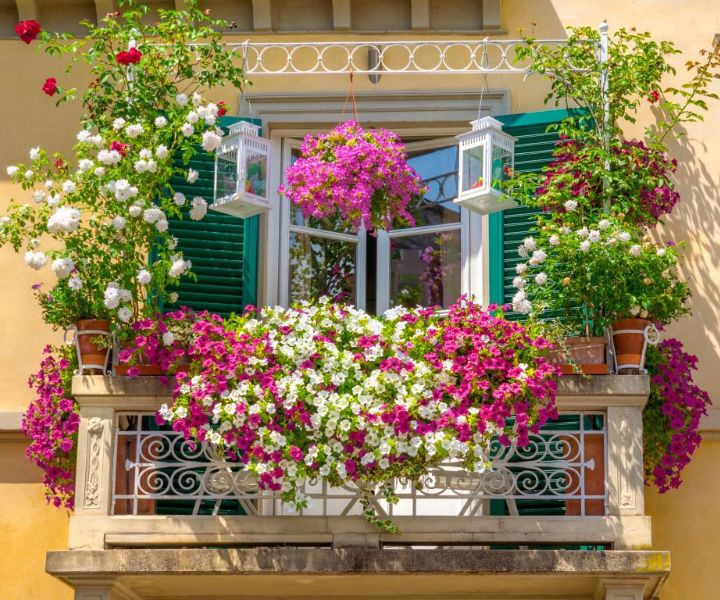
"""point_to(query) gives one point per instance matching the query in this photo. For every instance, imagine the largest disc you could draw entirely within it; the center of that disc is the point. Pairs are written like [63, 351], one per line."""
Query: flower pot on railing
[586, 353]
[93, 356]
[631, 338]
[143, 366]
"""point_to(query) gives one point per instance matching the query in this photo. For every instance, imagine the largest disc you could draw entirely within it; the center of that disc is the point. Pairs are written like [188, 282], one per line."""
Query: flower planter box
[588, 353]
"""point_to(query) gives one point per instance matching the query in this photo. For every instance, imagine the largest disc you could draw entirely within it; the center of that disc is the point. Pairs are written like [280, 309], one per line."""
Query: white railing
[561, 471]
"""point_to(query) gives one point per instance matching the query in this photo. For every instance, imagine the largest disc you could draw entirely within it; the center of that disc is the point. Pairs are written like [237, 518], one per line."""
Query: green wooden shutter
[508, 228]
[223, 249]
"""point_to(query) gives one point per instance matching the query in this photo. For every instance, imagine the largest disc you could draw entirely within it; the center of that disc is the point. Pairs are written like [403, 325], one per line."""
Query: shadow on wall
[14, 465]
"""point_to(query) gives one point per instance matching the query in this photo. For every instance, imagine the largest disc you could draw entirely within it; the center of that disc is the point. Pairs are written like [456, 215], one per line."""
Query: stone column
[93, 491]
[625, 460]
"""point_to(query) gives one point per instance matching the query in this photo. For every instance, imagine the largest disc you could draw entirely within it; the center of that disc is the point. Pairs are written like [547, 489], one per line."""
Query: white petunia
[554, 240]
[35, 260]
[65, 218]
[541, 278]
[133, 131]
[570, 205]
[153, 214]
[199, 209]
[38, 195]
[144, 277]
[211, 140]
[125, 314]
[187, 129]
[12, 171]
[635, 250]
[160, 122]
[179, 198]
[168, 338]
[75, 283]
[35, 153]
[584, 246]
[119, 222]
[162, 152]
[192, 175]
[62, 267]
[118, 124]
[603, 225]
[181, 99]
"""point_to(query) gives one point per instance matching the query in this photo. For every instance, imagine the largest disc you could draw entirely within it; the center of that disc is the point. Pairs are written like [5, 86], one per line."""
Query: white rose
[541, 278]
[69, 187]
[35, 153]
[12, 171]
[554, 240]
[160, 122]
[570, 205]
[519, 282]
[83, 136]
[199, 209]
[125, 314]
[133, 131]
[144, 276]
[603, 225]
[162, 152]
[192, 175]
[187, 129]
[135, 211]
[99, 171]
[173, 297]
[624, 236]
[119, 222]
[179, 198]
[196, 99]
[635, 250]
[211, 141]
[530, 244]
[118, 124]
[35, 260]
[521, 269]
[193, 117]
[62, 267]
[38, 196]
[181, 99]
[585, 246]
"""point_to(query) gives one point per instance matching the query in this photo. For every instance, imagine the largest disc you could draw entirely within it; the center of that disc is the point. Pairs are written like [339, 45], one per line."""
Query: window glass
[438, 169]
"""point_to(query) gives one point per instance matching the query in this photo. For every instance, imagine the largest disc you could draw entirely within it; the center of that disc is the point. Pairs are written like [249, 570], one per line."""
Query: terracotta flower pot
[586, 352]
[92, 356]
[629, 341]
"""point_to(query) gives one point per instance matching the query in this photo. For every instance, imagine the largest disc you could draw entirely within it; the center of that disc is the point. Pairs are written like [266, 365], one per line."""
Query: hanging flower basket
[360, 176]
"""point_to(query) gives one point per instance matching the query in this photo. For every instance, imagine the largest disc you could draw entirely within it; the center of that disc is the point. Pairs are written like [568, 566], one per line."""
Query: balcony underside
[232, 573]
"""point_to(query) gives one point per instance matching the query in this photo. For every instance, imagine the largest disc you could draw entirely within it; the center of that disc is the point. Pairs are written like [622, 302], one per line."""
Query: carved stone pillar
[625, 461]
[94, 463]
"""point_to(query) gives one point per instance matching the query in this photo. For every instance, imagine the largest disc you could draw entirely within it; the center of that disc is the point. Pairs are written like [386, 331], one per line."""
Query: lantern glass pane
[227, 176]
[501, 164]
[473, 167]
[256, 173]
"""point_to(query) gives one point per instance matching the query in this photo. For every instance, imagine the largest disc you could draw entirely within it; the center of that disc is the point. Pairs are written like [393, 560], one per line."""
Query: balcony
[571, 503]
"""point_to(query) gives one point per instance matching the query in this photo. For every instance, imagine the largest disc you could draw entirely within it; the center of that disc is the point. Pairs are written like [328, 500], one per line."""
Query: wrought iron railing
[562, 471]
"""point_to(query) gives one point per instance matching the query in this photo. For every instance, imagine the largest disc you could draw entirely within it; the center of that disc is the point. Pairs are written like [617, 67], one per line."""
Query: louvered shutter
[223, 249]
[508, 228]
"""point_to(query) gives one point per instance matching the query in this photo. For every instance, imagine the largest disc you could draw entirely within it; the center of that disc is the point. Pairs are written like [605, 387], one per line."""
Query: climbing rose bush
[328, 391]
[363, 176]
[51, 422]
[672, 415]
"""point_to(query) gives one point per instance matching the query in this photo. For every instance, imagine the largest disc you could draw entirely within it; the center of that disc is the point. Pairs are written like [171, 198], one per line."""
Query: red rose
[50, 86]
[130, 57]
[120, 147]
[654, 97]
[222, 111]
[28, 30]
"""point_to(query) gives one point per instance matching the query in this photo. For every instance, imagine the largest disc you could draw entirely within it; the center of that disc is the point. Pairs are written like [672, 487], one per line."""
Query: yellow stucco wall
[686, 521]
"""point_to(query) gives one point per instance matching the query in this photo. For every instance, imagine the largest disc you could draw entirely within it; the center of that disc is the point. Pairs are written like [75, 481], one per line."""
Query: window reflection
[438, 169]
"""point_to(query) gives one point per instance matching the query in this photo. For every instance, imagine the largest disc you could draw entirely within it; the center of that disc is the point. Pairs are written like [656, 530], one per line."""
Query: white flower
[38, 195]
[179, 266]
[541, 278]
[29, 173]
[69, 187]
[85, 165]
[48, 183]
[520, 303]
[118, 124]
[96, 140]
[160, 122]
[151, 166]
[603, 225]
[196, 99]
[210, 120]
[538, 257]
[187, 129]
[12, 171]
[181, 99]
[122, 189]
[153, 214]
[99, 172]
[564, 230]
[584, 246]
[193, 117]
[162, 152]
[35, 153]
[530, 244]
[173, 297]
[521, 269]
[35, 260]
[594, 235]
[53, 200]
[635, 311]
[199, 209]
[554, 240]
[109, 157]
[125, 314]
[211, 141]
[135, 210]
[168, 338]
[661, 252]
[62, 267]
[570, 205]
[192, 175]
[583, 233]
[145, 153]
[83, 136]
[119, 222]
[144, 277]
[112, 295]
[179, 198]
[519, 282]
[162, 225]
[635, 250]
[623, 236]
[133, 131]
[522, 251]
[75, 283]
[140, 166]
[65, 218]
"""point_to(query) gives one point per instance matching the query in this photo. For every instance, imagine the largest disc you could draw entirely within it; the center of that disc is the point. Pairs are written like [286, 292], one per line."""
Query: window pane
[425, 269]
[321, 267]
[438, 169]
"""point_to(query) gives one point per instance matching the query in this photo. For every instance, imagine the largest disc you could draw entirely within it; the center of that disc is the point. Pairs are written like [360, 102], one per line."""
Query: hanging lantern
[486, 159]
[241, 172]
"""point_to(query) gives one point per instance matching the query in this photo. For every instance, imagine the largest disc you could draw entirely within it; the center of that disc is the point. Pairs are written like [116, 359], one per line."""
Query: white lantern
[241, 172]
[486, 158]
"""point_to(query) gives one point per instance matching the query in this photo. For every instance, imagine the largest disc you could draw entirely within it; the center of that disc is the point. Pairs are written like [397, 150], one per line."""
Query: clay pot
[586, 352]
[90, 352]
[629, 344]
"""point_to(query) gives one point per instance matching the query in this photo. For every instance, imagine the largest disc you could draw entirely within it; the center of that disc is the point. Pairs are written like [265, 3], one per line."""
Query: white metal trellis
[405, 57]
